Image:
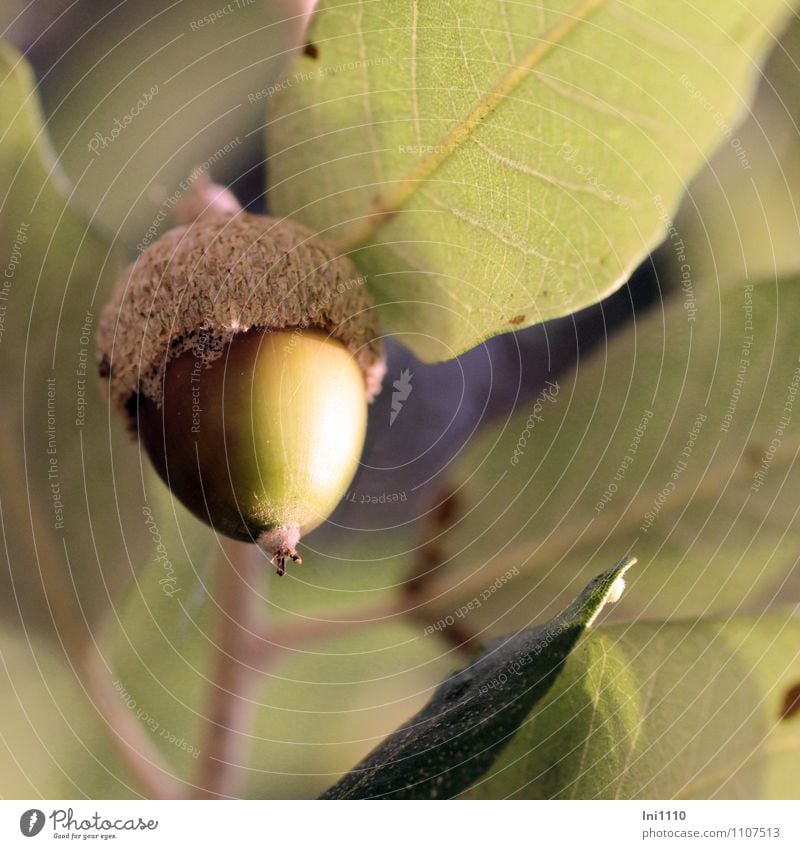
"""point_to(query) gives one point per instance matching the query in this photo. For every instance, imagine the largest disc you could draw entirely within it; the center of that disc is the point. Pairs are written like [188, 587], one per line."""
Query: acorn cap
[223, 274]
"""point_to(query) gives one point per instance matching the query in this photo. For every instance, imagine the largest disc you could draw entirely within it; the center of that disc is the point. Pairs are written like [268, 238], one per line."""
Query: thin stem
[417, 594]
[234, 680]
[277, 640]
[247, 649]
[135, 749]
[130, 740]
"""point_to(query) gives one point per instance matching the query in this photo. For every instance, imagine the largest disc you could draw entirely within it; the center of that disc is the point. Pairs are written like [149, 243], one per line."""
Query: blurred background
[202, 91]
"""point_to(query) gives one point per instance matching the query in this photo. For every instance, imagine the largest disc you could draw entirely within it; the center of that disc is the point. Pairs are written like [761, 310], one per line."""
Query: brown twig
[246, 650]
[131, 742]
[276, 640]
[129, 739]
[428, 561]
[234, 678]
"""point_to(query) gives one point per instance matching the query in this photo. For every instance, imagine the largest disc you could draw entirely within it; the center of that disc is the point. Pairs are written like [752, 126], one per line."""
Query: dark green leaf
[456, 737]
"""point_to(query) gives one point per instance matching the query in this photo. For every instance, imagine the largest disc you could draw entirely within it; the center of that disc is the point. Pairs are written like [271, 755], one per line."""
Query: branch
[130, 740]
[134, 747]
[247, 649]
[275, 641]
[234, 679]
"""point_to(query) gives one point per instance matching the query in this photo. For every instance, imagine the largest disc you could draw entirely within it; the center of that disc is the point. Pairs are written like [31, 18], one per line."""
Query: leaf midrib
[386, 205]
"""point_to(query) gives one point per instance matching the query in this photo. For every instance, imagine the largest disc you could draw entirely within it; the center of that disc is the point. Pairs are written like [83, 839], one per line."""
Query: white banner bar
[400, 825]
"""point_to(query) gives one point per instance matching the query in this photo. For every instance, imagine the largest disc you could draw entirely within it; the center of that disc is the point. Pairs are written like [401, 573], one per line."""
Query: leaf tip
[615, 589]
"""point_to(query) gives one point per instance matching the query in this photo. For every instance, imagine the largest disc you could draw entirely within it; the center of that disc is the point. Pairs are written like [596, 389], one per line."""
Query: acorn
[243, 351]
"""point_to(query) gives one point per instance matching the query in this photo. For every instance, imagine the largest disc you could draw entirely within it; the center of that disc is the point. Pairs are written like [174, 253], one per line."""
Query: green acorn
[244, 351]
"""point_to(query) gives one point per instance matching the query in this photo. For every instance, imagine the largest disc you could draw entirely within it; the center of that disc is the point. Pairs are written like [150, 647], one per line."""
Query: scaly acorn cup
[244, 351]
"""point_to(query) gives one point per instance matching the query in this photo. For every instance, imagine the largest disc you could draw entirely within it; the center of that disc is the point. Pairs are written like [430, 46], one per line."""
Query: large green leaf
[497, 176]
[678, 441]
[455, 738]
[664, 711]
[65, 552]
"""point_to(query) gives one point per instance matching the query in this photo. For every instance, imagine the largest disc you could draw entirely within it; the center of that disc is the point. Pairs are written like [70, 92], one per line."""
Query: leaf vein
[558, 182]
[505, 238]
[386, 205]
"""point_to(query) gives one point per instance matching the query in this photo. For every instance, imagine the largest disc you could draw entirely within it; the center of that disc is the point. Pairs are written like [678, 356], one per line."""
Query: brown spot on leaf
[791, 702]
[310, 50]
[753, 455]
[518, 319]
